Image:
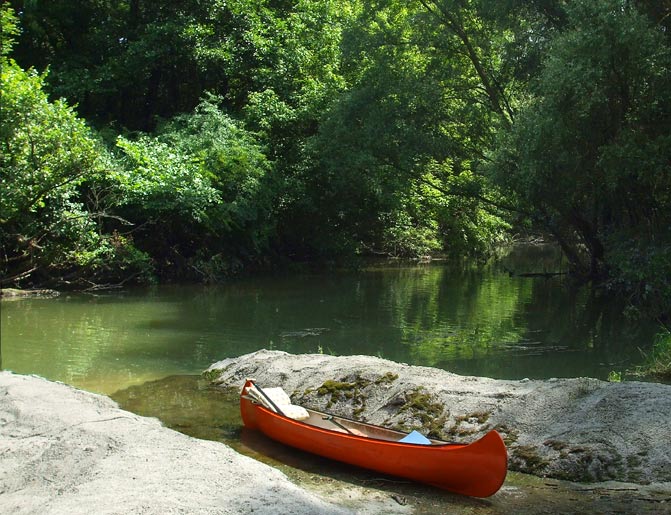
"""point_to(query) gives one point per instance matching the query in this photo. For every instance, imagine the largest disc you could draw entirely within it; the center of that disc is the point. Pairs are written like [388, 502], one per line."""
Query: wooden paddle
[341, 426]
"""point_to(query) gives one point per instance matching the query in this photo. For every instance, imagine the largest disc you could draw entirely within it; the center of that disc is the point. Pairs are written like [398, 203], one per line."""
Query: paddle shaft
[341, 426]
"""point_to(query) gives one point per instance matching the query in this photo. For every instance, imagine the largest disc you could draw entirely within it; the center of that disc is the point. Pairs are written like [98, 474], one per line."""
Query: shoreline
[67, 450]
[580, 429]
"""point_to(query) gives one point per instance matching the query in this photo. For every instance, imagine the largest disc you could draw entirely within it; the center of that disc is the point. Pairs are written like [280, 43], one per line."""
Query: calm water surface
[463, 318]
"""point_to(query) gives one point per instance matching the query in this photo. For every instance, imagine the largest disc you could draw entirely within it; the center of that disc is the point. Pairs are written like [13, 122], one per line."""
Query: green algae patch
[469, 424]
[528, 459]
[341, 390]
[211, 375]
[345, 391]
[421, 405]
[387, 378]
[478, 417]
[509, 435]
[352, 390]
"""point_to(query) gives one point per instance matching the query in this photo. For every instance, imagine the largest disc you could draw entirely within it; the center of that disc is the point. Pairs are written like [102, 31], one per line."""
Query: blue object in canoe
[415, 437]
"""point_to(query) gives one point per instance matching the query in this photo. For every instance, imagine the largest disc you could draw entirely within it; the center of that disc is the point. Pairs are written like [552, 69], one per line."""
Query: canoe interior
[342, 425]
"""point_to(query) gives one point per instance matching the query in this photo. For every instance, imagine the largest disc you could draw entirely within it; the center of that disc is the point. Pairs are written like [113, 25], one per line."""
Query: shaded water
[466, 319]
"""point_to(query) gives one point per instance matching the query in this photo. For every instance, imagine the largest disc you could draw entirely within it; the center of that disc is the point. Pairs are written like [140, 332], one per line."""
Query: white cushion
[281, 400]
[295, 412]
[278, 396]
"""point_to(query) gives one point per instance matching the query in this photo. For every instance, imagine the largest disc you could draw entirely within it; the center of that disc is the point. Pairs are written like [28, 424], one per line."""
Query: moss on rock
[211, 375]
[420, 405]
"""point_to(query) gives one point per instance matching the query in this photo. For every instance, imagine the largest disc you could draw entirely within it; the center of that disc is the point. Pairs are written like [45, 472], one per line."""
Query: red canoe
[477, 469]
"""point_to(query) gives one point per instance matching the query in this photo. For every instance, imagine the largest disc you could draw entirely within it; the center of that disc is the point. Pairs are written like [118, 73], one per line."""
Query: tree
[132, 63]
[468, 30]
[47, 154]
[412, 124]
[589, 156]
[198, 189]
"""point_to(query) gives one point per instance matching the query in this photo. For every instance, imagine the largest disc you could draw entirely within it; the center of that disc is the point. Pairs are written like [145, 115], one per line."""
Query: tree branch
[19, 276]
[495, 92]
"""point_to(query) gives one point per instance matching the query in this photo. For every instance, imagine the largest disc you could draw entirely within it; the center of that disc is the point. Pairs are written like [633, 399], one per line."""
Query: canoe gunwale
[435, 444]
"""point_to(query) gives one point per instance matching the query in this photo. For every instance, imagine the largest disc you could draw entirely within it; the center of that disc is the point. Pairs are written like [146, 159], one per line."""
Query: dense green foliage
[589, 156]
[49, 158]
[189, 140]
[657, 362]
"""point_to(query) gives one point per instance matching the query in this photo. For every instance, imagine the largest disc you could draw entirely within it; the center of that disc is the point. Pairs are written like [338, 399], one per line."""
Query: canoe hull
[477, 469]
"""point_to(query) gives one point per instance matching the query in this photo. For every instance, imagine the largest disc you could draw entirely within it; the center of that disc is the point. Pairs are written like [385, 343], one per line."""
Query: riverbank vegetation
[146, 140]
[657, 362]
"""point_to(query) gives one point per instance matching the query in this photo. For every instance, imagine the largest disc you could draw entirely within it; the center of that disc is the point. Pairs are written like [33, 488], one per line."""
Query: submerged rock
[576, 429]
[13, 293]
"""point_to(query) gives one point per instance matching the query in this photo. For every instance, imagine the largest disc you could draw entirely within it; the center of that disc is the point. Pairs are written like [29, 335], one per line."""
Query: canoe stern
[248, 410]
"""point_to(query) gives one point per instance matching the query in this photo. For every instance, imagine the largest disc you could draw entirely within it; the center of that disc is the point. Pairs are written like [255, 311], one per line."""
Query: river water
[469, 319]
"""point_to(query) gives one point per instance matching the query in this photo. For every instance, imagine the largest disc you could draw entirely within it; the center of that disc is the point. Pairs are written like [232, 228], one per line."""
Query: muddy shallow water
[190, 405]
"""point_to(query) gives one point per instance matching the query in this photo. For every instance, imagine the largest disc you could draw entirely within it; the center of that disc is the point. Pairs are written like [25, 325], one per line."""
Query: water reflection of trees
[95, 343]
[488, 321]
[473, 320]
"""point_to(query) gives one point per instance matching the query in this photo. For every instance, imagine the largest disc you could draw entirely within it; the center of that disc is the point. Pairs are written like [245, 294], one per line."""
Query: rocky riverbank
[63, 450]
[572, 429]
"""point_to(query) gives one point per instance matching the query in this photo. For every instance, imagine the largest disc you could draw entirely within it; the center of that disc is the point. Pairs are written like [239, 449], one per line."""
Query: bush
[658, 362]
[48, 158]
[641, 269]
